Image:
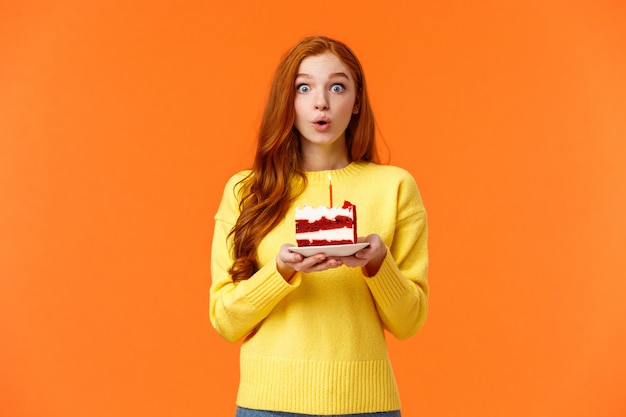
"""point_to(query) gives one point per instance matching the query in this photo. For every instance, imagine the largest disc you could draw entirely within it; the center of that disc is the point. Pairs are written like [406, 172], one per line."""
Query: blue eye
[303, 88]
[337, 88]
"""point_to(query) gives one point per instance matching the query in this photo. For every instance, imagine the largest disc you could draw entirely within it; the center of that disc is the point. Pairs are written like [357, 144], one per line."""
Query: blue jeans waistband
[247, 412]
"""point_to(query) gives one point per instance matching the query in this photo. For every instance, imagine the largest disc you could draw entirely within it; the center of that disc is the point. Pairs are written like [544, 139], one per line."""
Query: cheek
[300, 114]
[298, 107]
[346, 107]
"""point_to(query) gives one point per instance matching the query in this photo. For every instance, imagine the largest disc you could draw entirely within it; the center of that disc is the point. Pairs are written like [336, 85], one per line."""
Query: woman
[314, 327]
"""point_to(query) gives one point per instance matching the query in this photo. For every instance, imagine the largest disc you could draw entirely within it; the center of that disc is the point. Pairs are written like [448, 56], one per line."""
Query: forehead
[323, 65]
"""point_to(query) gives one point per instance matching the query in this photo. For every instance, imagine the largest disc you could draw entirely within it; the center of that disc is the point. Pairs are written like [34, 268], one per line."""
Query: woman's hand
[369, 258]
[288, 263]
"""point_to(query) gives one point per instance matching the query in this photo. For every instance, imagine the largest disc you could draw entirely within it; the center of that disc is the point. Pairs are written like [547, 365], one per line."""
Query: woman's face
[325, 99]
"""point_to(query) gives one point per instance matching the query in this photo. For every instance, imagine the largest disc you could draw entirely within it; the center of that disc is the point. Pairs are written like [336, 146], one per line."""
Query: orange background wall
[120, 121]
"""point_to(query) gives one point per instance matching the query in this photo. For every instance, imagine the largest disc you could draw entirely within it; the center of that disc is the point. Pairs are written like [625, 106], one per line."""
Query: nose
[321, 101]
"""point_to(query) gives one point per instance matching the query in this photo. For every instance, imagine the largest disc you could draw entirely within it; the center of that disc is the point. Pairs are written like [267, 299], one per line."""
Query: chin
[323, 138]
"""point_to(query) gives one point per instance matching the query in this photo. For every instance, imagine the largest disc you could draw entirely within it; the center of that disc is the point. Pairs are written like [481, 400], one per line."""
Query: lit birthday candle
[330, 189]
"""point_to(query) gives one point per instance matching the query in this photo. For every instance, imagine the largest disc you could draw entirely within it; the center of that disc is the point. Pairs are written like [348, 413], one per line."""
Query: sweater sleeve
[400, 287]
[236, 308]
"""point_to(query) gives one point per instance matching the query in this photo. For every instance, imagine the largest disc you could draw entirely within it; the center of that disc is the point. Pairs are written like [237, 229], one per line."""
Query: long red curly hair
[268, 191]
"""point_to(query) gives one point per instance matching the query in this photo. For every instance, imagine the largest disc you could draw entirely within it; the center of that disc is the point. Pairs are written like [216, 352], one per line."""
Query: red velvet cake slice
[323, 226]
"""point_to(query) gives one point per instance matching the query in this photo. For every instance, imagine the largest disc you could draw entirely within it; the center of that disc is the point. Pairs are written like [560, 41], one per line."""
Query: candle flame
[330, 180]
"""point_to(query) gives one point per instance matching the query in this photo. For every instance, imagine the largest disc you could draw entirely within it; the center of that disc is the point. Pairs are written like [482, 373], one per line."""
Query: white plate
[329, 250]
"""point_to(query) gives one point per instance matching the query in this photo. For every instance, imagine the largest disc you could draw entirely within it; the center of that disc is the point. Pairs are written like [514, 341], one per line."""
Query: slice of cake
[323, 226]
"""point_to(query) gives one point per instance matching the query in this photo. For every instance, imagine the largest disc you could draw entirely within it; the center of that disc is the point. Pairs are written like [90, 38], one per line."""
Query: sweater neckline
[321, 177]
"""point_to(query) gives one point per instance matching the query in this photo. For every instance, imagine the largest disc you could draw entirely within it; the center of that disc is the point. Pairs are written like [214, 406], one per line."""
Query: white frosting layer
[313, 214]
[330, 235]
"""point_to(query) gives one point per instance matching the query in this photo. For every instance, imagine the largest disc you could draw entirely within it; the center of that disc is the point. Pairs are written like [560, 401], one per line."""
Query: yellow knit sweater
[316, 345]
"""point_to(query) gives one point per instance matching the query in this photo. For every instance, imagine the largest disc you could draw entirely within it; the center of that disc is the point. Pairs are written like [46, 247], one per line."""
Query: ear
[356, 108]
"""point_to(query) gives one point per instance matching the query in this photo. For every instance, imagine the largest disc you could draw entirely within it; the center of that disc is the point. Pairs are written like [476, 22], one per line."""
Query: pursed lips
[321, 121]
[321, 124]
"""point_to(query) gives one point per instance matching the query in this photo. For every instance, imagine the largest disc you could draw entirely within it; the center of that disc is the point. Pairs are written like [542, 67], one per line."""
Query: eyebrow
[333, 75]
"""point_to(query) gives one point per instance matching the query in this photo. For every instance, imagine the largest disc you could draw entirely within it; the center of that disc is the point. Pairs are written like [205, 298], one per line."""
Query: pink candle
[330, 189]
